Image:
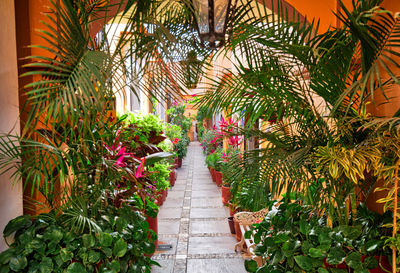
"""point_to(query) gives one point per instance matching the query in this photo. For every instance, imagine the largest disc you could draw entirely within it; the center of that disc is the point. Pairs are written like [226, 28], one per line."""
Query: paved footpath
[193, 220]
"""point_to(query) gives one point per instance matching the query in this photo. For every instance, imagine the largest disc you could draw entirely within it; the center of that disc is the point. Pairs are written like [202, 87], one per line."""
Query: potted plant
[298, 240]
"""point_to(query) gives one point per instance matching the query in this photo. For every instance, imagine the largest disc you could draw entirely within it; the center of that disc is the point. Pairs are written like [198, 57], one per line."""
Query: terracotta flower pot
[179, 162]
[231, 225]
[176, 163]
[153, 225]
[238, 232]
[212, 173]
[165, 193]
[218, 178]
[226, 194]
[172, 178]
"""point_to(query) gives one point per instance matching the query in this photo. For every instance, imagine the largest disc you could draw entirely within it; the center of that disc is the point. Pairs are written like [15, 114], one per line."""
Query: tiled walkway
[193, 221]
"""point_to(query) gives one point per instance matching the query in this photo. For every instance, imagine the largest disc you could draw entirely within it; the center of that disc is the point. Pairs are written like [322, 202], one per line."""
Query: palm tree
[61, 152]
[312, 84]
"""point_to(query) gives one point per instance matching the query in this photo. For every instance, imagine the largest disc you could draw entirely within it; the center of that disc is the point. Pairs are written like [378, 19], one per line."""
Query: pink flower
[175, 141]
[234, 141]
[140, 168]
[117, 152]
[226, 157]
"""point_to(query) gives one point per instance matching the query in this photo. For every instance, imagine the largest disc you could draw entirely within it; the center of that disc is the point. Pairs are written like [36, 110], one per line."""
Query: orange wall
[319, 10]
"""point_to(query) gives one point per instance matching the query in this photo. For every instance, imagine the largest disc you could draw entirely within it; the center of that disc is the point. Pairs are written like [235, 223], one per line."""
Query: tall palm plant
[61, 153]
[285, 70]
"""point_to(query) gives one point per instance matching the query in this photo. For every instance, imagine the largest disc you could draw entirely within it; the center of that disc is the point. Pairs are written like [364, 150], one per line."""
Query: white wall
[10, 196]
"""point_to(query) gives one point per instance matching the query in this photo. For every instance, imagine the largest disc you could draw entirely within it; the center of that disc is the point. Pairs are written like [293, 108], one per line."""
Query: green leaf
[322, 270]
[107, 251]
[121, 223]
[149, 248]
[304, 262]
[114, 266]
[281, 238]
[370, 263]
[6, 255]
[354, 260]
[324, 239]
[306, 246]
[257, 238]
[305, 227]
[93, 256]
[21, 222]
[351, 233]
[54, 235]
[248, 234]
[120, 248]
[105, 239]
[46, 265]
[76, 268]
[88, 240]
[4, 269]
[18, 263]
[317, 253]
[66, 255]
[373, 245]
[250, 265]
[336, 256]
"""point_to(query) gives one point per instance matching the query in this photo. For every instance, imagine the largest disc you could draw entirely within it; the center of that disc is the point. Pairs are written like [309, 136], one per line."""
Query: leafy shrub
[172, 131]
[293, 238]
[44, 244]
[159, 173]
[181, 146]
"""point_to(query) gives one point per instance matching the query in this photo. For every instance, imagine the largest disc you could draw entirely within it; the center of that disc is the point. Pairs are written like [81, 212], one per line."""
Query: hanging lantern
[212, 18]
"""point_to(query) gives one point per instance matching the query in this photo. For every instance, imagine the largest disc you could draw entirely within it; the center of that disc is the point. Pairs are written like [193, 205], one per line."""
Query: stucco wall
[10, 196]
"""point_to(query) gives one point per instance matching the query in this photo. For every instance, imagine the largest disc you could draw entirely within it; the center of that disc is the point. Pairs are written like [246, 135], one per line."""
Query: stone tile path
[193, 221]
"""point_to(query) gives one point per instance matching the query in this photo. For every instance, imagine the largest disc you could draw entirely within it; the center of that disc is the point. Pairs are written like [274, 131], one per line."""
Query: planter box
[218, 178]
[153, 225]
[172, 178]
[226, 194]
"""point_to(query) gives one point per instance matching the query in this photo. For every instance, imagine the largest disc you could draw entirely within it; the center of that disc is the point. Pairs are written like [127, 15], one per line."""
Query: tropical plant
[177, 117]
[283, 67]
[44, 244]
[181, 147]
[159, 173]
[72, 149]
[295, 238]
[172, 131]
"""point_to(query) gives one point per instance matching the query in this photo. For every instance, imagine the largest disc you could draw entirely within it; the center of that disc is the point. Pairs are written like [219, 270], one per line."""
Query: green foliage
[212, 159]
[172, 131]
[159, 173]
[145, 123]
[294, 238]
[177, 117]
[182, 146]
[310, 139]
[44, 244]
